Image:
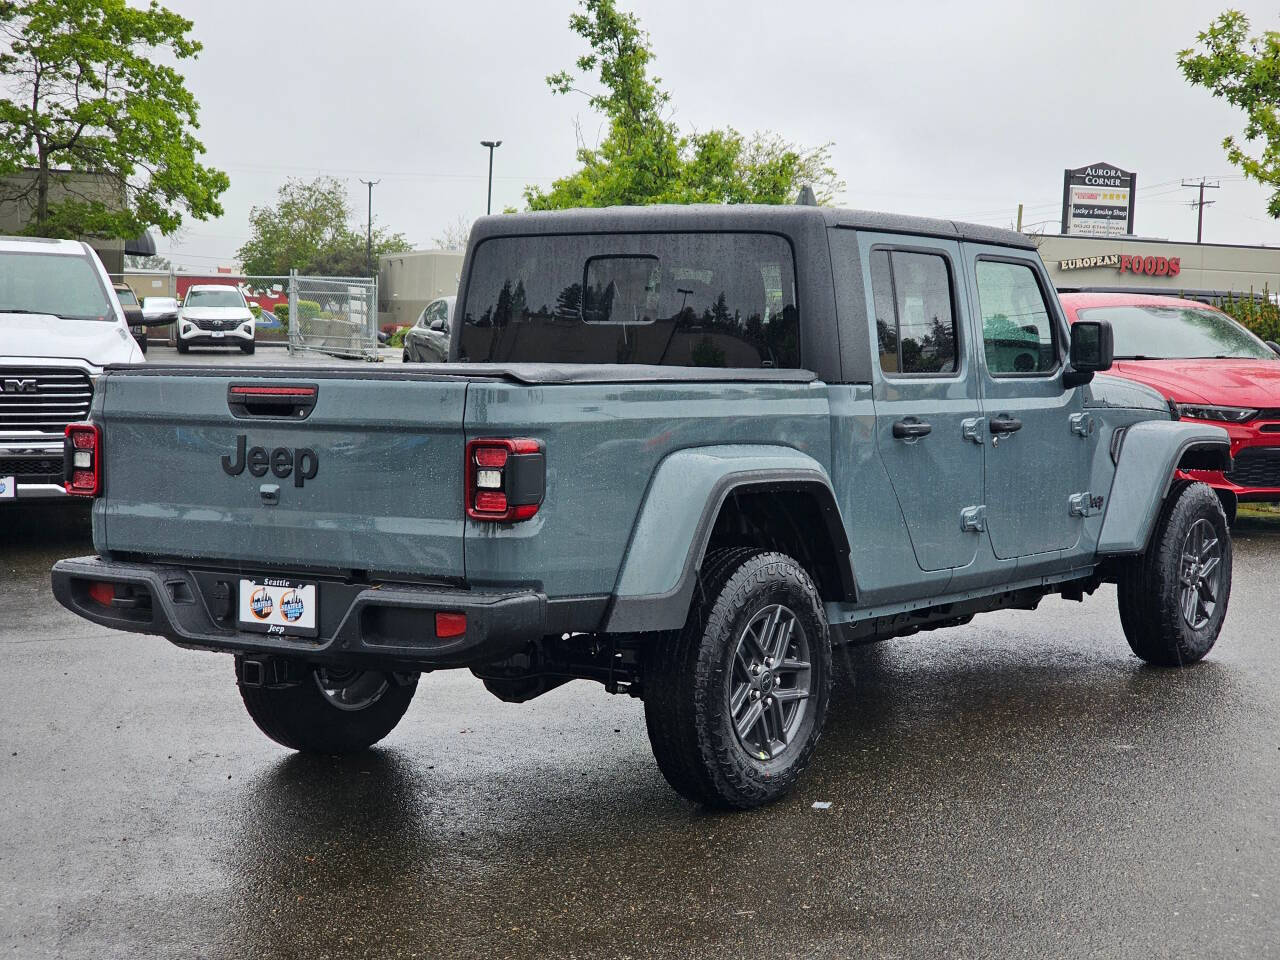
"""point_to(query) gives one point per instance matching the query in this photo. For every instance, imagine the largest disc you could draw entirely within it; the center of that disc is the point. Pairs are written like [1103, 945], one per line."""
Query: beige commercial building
[1159, 266]
[18, 204]
[407, 282]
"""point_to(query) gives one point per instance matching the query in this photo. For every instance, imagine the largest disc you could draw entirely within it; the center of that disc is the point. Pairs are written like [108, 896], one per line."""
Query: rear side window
[915, 319]
[682, 299]
[1017, 328]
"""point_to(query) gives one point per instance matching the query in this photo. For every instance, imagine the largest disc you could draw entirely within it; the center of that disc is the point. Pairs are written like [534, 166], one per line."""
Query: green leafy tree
[1244, 71]
[644, 158]
[96, 135]
[310, 228]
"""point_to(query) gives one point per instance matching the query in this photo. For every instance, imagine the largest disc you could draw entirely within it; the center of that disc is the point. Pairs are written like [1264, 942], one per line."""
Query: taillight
[506, 478]
[82, 460]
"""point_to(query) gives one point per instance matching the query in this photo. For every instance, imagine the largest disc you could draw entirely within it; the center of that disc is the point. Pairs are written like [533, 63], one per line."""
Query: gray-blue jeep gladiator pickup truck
[682, 452]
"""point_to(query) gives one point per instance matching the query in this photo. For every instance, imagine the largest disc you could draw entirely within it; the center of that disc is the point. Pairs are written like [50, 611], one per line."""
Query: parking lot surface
[1022, 786]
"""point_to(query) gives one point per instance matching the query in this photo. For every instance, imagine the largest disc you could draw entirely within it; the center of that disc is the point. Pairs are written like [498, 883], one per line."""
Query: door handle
[1005, 424]
[909, 429]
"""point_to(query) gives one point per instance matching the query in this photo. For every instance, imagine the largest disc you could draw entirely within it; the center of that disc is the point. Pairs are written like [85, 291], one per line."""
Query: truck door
[1039, 438]
[926, 397]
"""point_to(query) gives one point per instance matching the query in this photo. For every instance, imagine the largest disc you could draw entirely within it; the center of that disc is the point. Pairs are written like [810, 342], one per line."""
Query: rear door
[369, 478]
[925, 394]
[1041, 441]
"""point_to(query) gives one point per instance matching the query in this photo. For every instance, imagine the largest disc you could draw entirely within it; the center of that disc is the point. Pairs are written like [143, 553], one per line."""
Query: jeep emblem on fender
[302, 462]
[23, 385]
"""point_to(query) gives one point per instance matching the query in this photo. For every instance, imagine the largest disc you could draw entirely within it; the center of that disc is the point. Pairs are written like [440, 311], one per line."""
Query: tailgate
[370, 478]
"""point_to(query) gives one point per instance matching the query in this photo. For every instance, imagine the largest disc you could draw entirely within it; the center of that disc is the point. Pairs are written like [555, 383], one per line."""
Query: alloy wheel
[769, 682]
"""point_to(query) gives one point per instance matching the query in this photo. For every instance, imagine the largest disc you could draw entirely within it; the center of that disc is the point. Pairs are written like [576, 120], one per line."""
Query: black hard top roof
[786, 219]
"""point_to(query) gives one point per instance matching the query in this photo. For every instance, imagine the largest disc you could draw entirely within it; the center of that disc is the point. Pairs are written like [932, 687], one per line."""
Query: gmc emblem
[15, 385]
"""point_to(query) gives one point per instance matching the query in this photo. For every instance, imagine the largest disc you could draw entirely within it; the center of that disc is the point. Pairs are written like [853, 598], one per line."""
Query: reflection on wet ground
[1020, 786]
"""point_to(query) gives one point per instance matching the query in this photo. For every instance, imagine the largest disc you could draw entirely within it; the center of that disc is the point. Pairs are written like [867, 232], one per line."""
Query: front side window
[1017, 327]
[219, 297]
[1158, 332]
[915, 321]
[669, 299]
[126, 297]
[58, 284]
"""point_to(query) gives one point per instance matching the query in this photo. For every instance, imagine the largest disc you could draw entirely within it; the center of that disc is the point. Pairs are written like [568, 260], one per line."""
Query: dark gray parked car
[427, 341]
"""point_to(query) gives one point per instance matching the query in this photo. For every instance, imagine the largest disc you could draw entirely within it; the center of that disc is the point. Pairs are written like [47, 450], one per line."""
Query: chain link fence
[335, 316]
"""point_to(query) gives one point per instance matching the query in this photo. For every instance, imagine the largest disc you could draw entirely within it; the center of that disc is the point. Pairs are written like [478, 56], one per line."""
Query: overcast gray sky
[943, 109]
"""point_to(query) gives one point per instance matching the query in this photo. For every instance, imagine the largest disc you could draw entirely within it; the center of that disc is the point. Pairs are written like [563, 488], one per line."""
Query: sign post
[1097, 201]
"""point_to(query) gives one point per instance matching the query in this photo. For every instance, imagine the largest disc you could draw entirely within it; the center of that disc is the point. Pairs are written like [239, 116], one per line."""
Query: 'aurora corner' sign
[1097, 201]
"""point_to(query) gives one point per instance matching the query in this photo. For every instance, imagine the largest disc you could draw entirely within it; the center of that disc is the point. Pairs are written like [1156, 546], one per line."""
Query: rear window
[682, 299]
[221, 297]
[59, 284]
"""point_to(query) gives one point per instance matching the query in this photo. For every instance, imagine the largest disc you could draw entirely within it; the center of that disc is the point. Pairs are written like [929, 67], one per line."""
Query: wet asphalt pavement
[1021, 787]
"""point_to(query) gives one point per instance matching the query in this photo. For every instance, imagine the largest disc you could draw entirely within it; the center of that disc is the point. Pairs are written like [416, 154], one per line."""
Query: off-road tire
[301, 718]
[687, 677]
[247, 347]
[1151, 586]
[182, 345]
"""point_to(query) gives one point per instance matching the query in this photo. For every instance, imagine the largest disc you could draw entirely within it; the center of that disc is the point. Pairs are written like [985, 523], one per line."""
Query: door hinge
[1083, 504]
[971, 429]
[974, 519]
[1082, 424]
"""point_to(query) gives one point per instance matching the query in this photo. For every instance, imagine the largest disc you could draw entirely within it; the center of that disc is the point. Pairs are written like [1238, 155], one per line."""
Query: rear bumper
[391, 624]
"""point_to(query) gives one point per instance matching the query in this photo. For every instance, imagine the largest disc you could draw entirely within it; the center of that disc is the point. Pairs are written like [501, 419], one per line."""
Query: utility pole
[1019, 228]
[1201, 203]
[492, 145]
[368, 230]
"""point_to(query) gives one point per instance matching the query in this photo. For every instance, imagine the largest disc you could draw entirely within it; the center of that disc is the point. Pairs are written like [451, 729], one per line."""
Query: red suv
[1209, 368]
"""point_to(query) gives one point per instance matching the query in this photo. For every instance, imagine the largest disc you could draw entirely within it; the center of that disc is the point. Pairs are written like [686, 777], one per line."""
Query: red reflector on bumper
[102, 593]
[451, 625]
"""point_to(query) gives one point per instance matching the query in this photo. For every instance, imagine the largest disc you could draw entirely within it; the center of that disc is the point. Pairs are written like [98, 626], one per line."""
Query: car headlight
[1197, 411]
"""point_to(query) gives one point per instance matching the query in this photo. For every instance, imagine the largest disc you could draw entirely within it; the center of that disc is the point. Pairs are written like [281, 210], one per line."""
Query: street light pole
[492, 145]
[368, 231]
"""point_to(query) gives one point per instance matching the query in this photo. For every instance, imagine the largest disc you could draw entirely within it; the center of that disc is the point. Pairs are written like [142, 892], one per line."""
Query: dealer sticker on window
[7, 489]
[278, 606]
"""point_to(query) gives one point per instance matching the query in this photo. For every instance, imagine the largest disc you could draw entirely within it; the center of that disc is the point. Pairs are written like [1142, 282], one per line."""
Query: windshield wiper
[45, 313]
[1137, 356]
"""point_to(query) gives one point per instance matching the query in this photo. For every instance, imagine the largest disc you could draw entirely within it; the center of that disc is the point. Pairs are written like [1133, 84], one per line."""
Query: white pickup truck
[60, 325]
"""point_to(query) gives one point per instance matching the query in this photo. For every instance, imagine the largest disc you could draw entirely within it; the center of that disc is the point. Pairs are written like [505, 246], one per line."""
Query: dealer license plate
[278, 606]
[216, 334]
[8, 490]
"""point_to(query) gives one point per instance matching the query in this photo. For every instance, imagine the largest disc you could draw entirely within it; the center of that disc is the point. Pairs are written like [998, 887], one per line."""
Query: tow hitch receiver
[268, 672]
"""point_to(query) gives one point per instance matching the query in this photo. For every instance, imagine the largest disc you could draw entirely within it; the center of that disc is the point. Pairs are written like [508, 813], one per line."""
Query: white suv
[215, 315]
[60, 324]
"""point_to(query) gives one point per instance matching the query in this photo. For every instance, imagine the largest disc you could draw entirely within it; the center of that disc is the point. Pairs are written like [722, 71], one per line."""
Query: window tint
[915, 323]
[126, 297]
[681, 299]
[1017, 328]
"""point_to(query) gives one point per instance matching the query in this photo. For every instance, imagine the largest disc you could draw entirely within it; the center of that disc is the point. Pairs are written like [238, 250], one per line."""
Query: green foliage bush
[1260, 314]
[308, 309]
[397, 339]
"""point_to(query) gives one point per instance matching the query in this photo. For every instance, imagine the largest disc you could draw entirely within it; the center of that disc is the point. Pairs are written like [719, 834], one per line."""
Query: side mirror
[1275, 347]
[437, 326]
[1092, 351]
